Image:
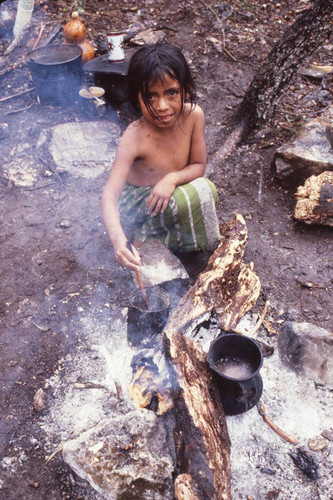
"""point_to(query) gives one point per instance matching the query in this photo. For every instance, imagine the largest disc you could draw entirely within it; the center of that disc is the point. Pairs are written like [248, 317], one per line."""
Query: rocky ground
[53, 243]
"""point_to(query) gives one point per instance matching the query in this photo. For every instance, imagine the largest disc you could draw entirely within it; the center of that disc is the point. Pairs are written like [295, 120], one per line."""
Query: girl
[155, 188]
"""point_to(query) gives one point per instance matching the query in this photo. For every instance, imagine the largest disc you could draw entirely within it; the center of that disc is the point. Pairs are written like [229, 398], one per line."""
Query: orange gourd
[75, 32]
[87, 50]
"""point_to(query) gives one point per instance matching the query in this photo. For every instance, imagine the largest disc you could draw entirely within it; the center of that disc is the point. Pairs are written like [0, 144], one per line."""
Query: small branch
[3, 99]
[59, 448]
[42, 26]
[260, 185]
[261, 319]
[273, 426]
[18, 110]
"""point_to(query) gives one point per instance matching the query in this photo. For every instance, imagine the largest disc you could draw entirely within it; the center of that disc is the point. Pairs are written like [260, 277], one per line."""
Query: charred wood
[229, 288]
[201, 435]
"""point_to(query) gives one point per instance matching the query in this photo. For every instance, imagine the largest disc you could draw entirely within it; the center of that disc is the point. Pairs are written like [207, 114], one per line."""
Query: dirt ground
[50, 241]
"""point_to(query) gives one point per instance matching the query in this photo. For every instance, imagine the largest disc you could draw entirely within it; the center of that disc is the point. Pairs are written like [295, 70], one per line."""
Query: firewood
[229, 288]
[315, 200]
[227, 285]
[201, 436]
[184, 488]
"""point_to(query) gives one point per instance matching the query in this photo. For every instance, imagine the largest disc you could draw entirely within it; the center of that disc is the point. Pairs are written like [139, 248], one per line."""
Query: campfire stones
[328, 434]
[315, 200]
[125, 453]
[21, 172]
[308, 350]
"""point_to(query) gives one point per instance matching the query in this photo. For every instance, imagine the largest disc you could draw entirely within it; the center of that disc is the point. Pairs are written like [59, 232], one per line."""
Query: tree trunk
[299, 41]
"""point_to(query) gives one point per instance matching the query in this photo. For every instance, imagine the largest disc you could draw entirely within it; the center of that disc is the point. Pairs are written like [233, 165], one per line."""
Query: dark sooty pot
[57, 73]
[238, 393]
[142, 323]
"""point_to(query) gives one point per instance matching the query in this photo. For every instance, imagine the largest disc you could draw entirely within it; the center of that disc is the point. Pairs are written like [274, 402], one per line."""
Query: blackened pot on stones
[57, 73]
[143, 324]
[235, 361]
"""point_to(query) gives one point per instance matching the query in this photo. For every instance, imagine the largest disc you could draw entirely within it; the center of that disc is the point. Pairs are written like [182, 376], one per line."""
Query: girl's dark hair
[149, 64]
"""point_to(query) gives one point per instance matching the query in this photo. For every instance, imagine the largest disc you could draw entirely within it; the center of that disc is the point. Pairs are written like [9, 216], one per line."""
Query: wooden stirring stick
[139, 278]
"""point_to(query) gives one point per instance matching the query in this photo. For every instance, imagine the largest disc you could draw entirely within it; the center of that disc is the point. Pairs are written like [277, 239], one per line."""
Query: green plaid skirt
[189, 223]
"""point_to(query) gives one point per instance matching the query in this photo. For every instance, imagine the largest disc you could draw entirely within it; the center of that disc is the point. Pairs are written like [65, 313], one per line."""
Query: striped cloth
[189, 223]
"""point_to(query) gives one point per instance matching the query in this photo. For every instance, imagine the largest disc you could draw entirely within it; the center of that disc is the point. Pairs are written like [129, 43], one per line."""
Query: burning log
[315, 200]
[147, 389]
[201, 435]
[230, 288]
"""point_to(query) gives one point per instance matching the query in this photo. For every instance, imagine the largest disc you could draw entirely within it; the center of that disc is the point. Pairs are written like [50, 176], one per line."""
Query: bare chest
[171, 151]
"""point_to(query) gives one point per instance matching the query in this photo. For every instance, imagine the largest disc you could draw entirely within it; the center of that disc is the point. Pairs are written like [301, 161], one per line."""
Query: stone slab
[85, 149]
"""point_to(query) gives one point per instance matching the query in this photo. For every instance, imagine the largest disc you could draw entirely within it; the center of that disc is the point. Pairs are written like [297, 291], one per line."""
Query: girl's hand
[126, 257]
[158, 199]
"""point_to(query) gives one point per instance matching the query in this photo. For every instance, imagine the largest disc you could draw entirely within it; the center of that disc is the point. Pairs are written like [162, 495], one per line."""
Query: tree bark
[227, 286]
[315, 200]
[298, 42]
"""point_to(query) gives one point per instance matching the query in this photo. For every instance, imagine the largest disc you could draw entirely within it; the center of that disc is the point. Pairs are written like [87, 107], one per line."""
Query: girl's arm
[163, 189]
[125, 156]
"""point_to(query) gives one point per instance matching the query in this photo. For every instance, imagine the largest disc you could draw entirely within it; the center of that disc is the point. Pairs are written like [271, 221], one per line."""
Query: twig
[41, 187]
[91, 385]
[261, 319]
[119, 390]
[222, 30]
[18, 110]
[258, 324]
[139, 278]
[273, 426]
[42, 26]
[59, 448]
[3, 99]
[260, 185]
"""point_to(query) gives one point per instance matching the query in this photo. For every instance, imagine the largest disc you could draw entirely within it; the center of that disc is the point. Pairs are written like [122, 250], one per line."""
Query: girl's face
[166, 100]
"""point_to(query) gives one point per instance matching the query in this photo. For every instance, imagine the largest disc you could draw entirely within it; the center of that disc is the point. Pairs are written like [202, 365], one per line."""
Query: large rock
[125, 457]
[84, 149]
[310, 152]
[308, 350]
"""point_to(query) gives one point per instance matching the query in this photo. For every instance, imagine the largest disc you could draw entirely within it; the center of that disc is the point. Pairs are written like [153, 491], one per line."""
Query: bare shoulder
[132, 132]
[193, 113]
[131, 139]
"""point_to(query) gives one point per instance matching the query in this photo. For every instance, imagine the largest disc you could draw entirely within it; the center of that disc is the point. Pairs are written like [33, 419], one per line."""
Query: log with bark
[315, 200]
[229, 288]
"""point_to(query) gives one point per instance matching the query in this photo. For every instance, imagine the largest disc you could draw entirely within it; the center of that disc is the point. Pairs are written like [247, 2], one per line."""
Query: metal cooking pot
[143, 324]
[57, 73]
[235, 361]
